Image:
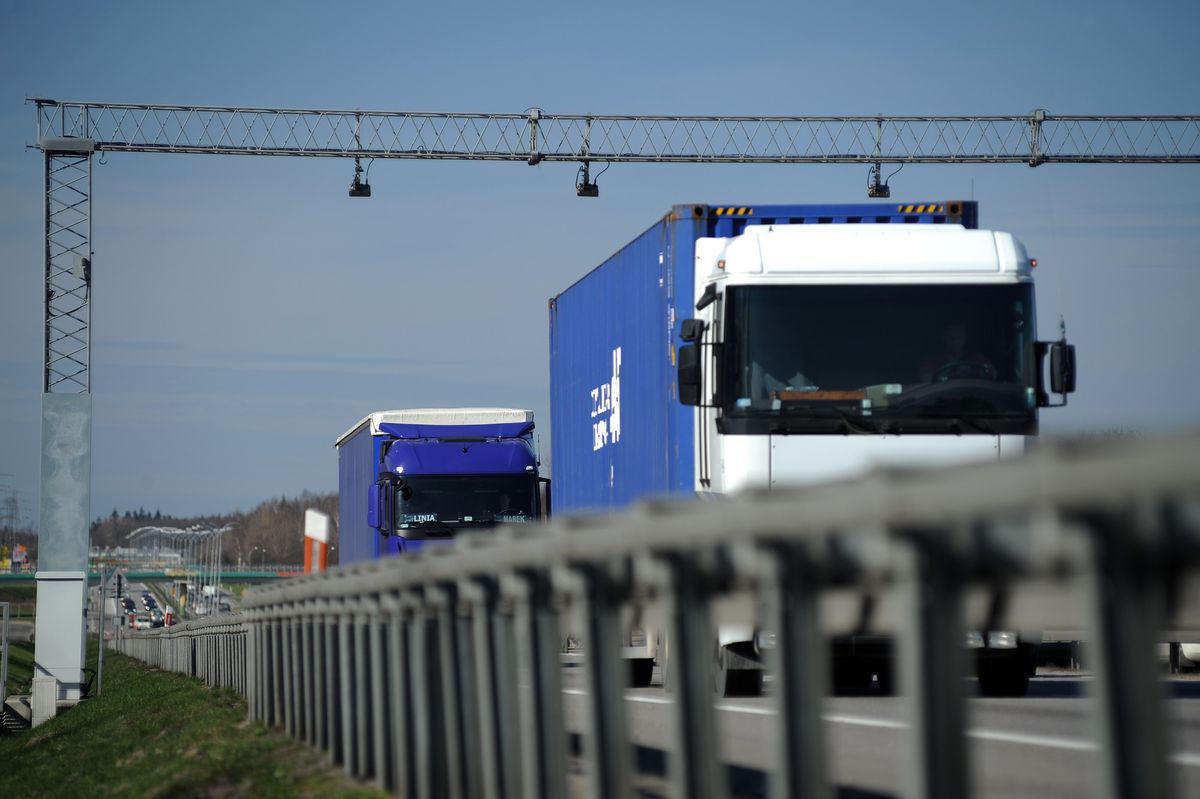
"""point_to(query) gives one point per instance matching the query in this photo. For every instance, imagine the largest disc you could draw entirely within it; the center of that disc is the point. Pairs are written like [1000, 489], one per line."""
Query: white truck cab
[822, 351]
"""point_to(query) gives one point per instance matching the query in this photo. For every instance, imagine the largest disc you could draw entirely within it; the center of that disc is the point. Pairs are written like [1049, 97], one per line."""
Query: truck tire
[743, 682]
[1006, 674]
[851, 676]
[641, 670]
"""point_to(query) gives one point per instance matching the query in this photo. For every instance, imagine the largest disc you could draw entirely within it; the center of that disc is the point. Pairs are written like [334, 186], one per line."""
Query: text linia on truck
[410, 477]
[732, 347]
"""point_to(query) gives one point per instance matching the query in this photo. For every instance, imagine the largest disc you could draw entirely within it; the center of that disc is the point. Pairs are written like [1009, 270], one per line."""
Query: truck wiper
[437, 524]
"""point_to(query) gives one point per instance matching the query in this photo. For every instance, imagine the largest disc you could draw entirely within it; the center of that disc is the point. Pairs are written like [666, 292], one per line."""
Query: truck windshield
[897, 358]
[459, 500]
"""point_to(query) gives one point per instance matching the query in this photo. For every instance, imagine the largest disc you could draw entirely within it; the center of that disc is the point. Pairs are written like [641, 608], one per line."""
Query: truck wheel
[1005, 675]
[744, 682]
[641, 670]
[851, 677]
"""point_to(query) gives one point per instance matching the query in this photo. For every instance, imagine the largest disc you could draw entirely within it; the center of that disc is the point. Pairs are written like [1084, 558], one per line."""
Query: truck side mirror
[689, 374]
[380, 504]
[691, 330]
[1062, 367]
[1062, 370]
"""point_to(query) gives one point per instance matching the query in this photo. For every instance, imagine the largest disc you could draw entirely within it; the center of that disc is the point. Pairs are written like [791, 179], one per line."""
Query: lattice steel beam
[534, 136]
[68, 264]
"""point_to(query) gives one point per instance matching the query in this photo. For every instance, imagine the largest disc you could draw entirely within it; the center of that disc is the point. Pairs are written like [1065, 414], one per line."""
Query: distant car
[156, 618]
[142, 621]
[129, 605]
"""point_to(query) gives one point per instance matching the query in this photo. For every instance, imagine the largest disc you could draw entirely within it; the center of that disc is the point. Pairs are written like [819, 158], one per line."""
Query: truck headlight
[1002, 639]
[974, 640]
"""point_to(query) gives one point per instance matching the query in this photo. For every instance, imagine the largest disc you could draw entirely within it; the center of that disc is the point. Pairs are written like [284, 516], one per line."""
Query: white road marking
[996, 736]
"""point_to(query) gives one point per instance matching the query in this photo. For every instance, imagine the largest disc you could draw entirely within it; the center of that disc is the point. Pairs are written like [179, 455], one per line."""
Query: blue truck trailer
[407, 478]
[731, 347]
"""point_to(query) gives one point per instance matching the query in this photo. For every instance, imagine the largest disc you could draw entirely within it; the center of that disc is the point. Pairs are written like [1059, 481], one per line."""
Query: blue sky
[246, 311]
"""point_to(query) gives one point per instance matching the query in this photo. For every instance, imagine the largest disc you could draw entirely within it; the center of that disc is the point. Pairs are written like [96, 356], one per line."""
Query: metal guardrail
[212, 649]
[439, 674]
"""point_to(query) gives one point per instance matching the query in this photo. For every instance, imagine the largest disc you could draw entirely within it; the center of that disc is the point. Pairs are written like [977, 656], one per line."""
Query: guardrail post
[441, 600]
[481, 595]
[346, 673]
[277, 673]
[379, 694]
[606, 746]
[333, 683]
[539, 709]
[251, 644]
[288, 669]
[932, 665]
[1126, 604]
[307, 675]
[400, 715]
[695, 769]
[258, 659]
[299, 676]
[266, 683]
[466, 608]
[364, 706]
[240, 664]
[428, 729]
[791, 595]
[320, 693]
[504, 665]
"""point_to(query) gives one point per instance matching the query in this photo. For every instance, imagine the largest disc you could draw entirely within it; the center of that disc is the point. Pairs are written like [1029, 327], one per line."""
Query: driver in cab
[955, 358]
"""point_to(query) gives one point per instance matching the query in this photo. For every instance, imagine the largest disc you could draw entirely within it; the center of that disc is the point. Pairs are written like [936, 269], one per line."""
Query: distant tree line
[273, 532]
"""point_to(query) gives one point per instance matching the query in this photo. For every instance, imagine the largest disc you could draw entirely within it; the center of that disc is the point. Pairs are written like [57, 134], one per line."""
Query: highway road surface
[1040, 745]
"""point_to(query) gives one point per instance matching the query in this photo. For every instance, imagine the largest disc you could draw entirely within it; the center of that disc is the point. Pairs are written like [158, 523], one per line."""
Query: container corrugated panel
[619, 432]
[357, 464]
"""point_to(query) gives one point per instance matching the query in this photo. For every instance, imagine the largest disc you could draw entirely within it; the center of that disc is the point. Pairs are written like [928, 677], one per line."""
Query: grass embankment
[159, 734]
[20, 667]
[22, 600]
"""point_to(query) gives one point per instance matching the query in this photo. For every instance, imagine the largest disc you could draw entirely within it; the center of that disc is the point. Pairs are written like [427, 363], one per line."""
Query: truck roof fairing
[510, 456]
[440, 416]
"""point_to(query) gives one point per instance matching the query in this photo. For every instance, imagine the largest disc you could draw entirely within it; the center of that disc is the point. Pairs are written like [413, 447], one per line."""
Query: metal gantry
[69, 132]
[534, 135]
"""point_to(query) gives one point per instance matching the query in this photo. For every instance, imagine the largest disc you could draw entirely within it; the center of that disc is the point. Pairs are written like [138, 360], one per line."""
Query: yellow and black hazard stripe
[927, 208]
[743, 211]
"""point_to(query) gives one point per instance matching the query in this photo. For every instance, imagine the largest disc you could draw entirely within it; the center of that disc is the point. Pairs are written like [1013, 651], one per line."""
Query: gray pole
[103, 613]
[66, 459]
